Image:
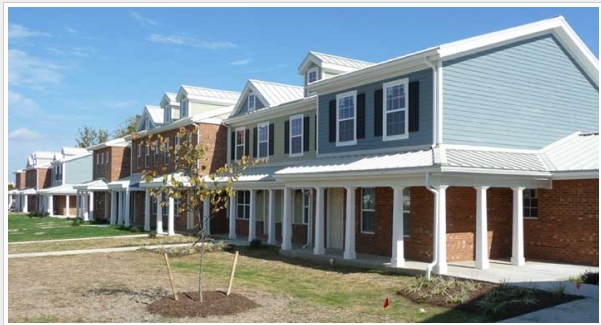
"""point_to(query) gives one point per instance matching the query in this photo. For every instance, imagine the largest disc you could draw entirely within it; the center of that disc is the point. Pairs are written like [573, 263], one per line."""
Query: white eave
[169, 99]
[119, 142]
[70, 158]
[207, 95]
[274, 112]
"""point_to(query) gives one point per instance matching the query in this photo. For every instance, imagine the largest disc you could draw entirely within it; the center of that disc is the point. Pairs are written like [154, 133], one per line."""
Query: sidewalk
[93, 251]
[74, 239]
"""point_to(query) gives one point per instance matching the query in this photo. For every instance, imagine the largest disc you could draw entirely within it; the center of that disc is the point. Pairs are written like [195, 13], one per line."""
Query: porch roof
[15, 191]
[28, 191]
[130, 181]
[493, 159]
[98, 184]
[576, 152]
[57, 190]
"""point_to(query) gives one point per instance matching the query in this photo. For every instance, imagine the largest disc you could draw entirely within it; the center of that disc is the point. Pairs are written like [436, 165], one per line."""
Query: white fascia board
[485, 148]
[211, 100]
[171, 126]
[580, 174]
[310, 58]
[247, 88]
[369, 174]
[489, 171]
[302, 105]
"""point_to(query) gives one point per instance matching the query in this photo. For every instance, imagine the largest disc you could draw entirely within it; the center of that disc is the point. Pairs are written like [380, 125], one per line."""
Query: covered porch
[57, 200]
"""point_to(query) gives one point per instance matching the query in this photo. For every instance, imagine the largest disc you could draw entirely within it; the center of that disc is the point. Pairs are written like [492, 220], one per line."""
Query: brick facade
[44, 178]
[118, 166]
[60, 205]
[20, 181]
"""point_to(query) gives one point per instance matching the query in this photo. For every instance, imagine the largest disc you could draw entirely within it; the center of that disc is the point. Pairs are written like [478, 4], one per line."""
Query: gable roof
[556, 26]
[332, 62]
[73, 151]
[119, 142]
[576, 152]
[154, 114]
[169, 99]
[270, 93]
[207, 95]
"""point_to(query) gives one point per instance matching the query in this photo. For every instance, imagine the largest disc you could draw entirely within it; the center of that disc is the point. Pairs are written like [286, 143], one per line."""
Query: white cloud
[71, 30]
[190, 41]
[119, 104]
[18, 31]
[23, 106]
[241, 62]
[24, 134]
[30, 71]
[145, 21]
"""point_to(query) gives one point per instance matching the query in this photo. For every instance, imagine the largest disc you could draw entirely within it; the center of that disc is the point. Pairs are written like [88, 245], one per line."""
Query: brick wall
[31, 177]
[567, 227]
[44, 180]
[118, 166]
[20, 181]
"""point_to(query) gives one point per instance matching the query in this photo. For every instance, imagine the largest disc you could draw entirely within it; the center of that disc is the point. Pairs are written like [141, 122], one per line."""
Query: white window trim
[352, 93]
[254, 102]
[302, 119]
[236, 145]
[259, 126]
[139, 155]
[405, 83]
[184, 103]
[244, 204]
[307, 204]
[167, 114]
[369, 210]
[316, 70]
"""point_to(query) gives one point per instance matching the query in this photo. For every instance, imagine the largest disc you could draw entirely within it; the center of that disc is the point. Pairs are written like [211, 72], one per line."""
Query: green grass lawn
[25, 228]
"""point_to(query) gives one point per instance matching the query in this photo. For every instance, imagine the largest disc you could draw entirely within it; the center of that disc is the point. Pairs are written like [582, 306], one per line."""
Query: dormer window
[312, 75]
[183, 109]
[167, 114]
[251, 102]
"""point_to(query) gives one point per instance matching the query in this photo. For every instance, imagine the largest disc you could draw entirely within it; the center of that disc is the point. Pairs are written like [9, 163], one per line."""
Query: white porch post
[481, 229]
[232, 212]
[441, 266]
[206, 212]
[287, 220]
[91, 203]
[78, 213]
[126, 214]
[398, 244]
[147, 210]
[25, 203]
[113, 207]
[271, 219]
[67, 206]
[51, 205]
[252, 219]
[159, 215]
[517, 248]
[349, 235]
[86, 215]
[171, 218]
[319, 226]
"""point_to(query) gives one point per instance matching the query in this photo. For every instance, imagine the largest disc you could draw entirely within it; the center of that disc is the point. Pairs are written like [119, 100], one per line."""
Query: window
[101, 158]
[306, 207]
[106, 161]
[240, 142]
[251, 102]
[406, 211]
[156, 153]
[296, 135]
[167, 114]
[184, 108]
[243, 199]
[176, 147]
[139, 155]
[263, 140]
[530, 203]
[166, 153]
[312, 75]
[346, 121]
[153, 206]
[146, 156]
[396, 112]
[176, 207]
[165, 208]
[189, 137]
[368, 210]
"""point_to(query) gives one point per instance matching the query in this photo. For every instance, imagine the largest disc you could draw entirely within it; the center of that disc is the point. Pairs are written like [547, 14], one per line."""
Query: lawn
[24, 228]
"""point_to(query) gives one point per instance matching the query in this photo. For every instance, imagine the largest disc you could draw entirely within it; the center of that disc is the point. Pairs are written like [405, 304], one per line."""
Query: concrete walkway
[94, 251]
[74, 239]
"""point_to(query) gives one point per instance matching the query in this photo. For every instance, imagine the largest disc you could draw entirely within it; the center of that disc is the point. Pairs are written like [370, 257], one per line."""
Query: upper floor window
[166, 153]
[396, 112]
[263, 140]
[312, 75]
[530, 203]
[346, 118]
[296, 135]
[240, 142]
[184, 108]
[138, 155]
[251, 102]
[106, 160]
[156, 153]
[167, 114]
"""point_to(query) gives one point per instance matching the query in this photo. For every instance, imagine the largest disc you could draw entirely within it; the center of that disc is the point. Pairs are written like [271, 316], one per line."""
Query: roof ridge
[340, 57]
[274, 83]
[214, 89]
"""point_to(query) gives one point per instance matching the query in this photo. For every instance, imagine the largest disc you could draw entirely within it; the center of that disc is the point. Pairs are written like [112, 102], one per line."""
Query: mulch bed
[214, 303]
[545, 300]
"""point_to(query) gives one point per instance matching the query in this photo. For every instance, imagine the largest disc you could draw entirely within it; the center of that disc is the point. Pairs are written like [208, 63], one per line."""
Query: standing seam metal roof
[276, 94]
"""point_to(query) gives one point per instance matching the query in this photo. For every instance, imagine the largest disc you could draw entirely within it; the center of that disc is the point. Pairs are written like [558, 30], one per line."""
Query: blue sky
[73, 66]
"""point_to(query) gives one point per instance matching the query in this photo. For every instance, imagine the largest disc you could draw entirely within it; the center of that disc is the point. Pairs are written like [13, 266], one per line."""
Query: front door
[335, 218]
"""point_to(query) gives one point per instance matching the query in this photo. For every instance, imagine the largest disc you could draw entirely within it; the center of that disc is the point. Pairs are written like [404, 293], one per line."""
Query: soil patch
[214, 303]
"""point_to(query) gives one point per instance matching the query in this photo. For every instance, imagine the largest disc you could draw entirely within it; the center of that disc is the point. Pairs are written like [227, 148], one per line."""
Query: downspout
[436, 220]
[434, 99]
[310, 222]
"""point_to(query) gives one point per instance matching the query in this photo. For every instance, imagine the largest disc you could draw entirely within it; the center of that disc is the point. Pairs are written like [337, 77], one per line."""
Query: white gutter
[434, 100]
[435, 232]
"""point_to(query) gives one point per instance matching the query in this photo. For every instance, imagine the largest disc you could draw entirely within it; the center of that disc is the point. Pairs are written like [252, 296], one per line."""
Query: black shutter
[271, 139]
[246, 142]
[233, 148]
[255, 143]
[332, 121]
[306, 126]
[361, 116]
[414, 106]
[315, 133]
[286, 137]
[378, 110]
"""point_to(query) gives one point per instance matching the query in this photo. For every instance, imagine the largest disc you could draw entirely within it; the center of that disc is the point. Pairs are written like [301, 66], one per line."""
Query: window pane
[368, 221]
[297, 145]
[534, 212]
[406, 223]
[368, 201]
[263, 133]
[239, 151]
[395, 123]
[240, 137]
[263, 150]
[346, 131]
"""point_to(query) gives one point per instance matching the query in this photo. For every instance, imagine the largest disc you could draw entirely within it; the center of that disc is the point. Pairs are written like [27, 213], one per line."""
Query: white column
[147, 210]
[319, 222]
[232, 211]
[85, 206]
[171, 218]
[91, 203]
[25, 203]
[271, 219]
[206, 212]
[398, 244]
[159, 215]
[77, 205]
[349, 234]
[287, 220]
[113, 207]
[126, 214]
[252, 219]
[441, 266]
[67, 206]
[51, 205]
[119, 208]
[517, 248]
[481, 229]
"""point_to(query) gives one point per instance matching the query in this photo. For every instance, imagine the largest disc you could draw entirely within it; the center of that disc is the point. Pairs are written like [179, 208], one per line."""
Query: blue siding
[522, 95]
[422, 137]
[78, 170]
[244, 107]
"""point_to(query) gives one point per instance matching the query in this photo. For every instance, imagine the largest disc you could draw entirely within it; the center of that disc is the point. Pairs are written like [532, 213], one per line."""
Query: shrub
[152, 234]
[500, 300]
[590, 277]
[255, 243]
[134, 229]
[77, 222]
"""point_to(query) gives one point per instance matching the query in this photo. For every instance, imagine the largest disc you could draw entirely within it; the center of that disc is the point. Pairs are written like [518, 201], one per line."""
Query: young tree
[127, 127]
[191, 182]
[89, 136]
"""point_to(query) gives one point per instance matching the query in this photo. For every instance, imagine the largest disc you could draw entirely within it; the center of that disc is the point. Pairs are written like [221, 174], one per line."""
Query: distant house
[35, 176]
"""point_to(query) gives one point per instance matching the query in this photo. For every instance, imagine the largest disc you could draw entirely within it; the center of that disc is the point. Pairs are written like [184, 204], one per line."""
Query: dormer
[198, 100]
[152, 116]
[258, 95]
[317, 66]
[170, 108]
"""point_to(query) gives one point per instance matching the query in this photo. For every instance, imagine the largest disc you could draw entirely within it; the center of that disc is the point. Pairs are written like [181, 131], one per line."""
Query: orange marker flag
[386, 302]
